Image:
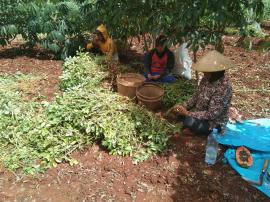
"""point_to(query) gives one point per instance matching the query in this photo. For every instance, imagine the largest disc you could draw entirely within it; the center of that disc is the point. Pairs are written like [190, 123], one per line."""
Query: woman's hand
[149, 76]
[179, 109]
[156, 77]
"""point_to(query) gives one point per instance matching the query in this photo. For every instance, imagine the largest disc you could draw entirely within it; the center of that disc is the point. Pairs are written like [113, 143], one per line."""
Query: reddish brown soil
[36, 62]
[178, 175]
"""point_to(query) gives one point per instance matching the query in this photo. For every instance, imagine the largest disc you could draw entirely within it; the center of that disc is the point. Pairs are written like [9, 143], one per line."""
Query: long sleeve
[112, 49]
[219, 102]
[191, 103]
[147, 62]
[89, 46]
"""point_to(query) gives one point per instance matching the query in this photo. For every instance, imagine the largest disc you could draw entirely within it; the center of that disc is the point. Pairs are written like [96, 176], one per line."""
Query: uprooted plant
[36, 136]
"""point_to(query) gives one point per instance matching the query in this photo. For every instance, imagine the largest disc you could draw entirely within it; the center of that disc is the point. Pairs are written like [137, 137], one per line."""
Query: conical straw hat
[213, 62]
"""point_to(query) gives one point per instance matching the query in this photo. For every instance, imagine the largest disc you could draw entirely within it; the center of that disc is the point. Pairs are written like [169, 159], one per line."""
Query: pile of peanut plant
[29, 141]
[122, 127]
[35, 136]
[178, 93]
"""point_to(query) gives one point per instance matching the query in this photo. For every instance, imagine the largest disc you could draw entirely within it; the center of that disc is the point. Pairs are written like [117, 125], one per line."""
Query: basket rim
[150, 100]
[139, 95]
[120, 81]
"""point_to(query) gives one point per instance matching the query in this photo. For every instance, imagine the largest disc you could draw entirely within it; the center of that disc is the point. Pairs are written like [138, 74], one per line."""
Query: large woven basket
[128, 82]
[150, 95]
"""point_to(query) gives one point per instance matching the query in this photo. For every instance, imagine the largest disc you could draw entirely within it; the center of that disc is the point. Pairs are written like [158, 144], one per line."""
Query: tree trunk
[219, 45]
[195, 60]
[125, 46]
[154, 36]
[131, 41]
[145, 43]
[239, 42]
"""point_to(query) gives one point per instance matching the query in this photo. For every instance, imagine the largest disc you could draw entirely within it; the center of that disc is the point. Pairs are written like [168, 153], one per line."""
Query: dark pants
[164, 79]
[195, 125]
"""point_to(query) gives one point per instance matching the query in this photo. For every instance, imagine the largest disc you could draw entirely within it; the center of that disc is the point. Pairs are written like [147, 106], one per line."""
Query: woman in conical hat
[209, 106]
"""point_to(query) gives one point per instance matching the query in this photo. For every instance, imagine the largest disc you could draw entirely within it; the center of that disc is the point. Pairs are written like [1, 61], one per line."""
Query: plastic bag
[183, 62]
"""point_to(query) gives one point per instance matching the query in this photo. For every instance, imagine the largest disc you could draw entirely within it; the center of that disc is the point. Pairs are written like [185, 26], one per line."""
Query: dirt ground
[177, 175]
[36, 62]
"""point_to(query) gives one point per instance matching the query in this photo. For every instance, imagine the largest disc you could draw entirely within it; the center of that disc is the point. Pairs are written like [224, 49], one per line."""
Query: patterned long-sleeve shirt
[212, 102]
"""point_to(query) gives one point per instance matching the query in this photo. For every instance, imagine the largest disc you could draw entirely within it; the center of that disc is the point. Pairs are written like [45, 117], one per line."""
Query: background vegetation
[60, 25]
[266, 14]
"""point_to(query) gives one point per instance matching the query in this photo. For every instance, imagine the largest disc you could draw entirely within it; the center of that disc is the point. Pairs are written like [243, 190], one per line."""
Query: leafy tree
[202, 22]
[8, 20]
[59, 26]
[266, 15]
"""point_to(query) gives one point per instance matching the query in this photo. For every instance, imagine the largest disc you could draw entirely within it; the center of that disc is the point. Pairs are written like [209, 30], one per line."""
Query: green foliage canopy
[59, 26]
